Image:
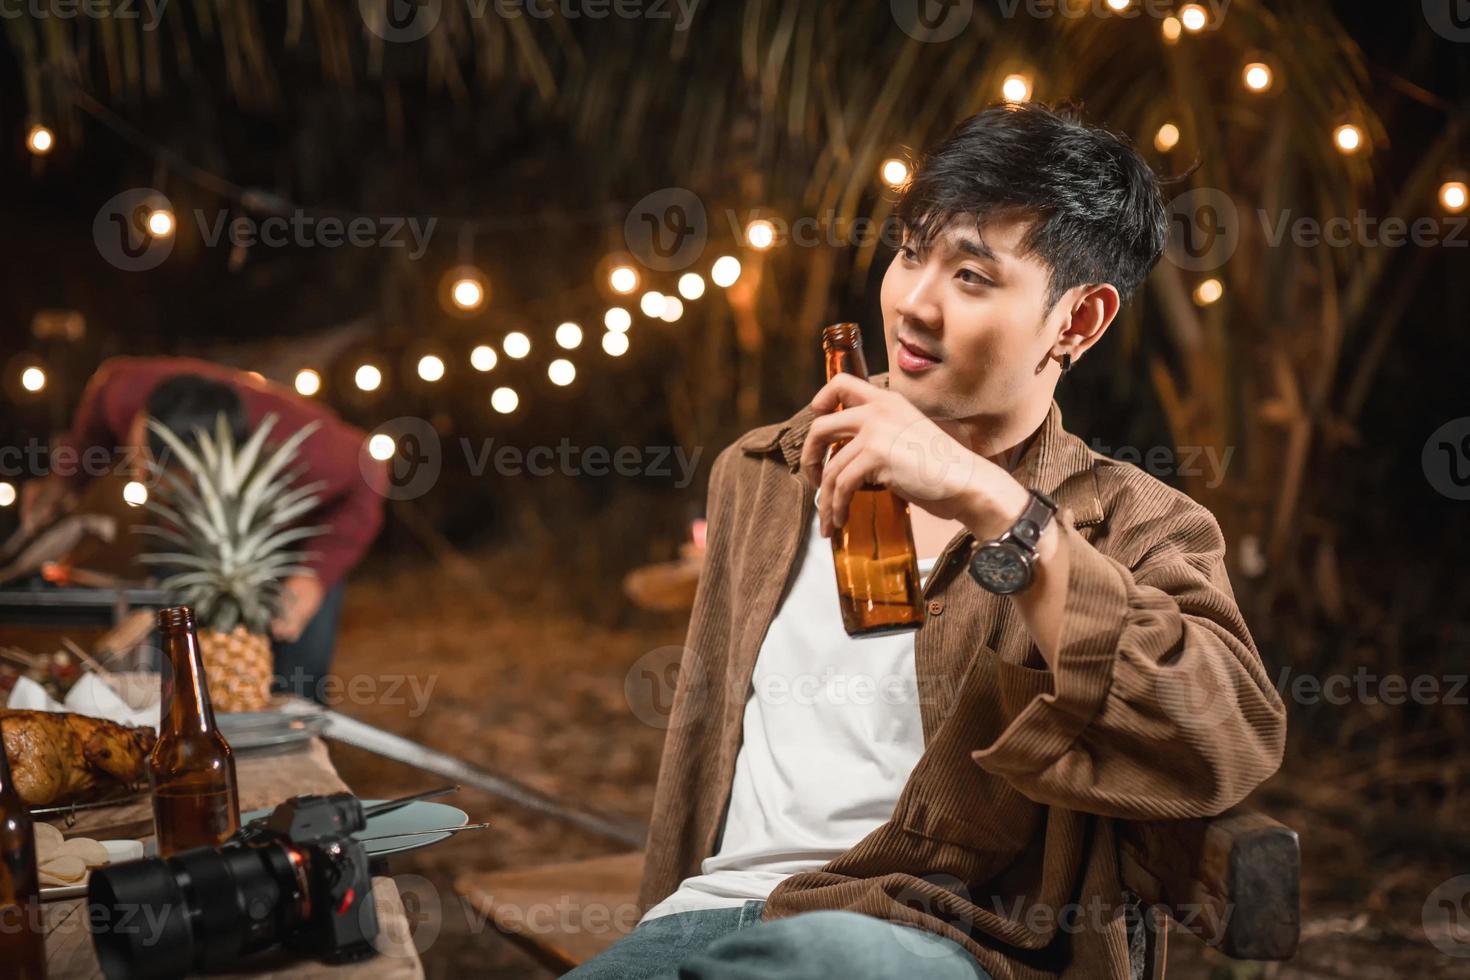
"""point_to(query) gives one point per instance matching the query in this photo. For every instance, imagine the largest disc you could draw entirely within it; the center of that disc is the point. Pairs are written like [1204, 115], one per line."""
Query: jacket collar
[1055, 462]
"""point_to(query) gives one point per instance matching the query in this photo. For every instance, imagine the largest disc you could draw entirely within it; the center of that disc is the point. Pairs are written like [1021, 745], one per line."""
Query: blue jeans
[301, 664]
[736, 944]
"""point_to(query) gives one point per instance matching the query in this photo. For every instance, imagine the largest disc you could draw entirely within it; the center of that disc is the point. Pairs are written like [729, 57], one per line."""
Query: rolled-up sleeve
[1158, 705]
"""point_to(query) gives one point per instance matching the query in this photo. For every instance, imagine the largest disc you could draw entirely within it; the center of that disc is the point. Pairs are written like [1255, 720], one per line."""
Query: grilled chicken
[59, 757]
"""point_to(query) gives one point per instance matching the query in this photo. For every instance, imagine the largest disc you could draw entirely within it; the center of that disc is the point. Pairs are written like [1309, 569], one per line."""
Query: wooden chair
[1232, 880]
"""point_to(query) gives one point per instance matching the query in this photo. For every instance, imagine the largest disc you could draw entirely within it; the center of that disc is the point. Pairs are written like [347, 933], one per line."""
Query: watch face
[1001, 568]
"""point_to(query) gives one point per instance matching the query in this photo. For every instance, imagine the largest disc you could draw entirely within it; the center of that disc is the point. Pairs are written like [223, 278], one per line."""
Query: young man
[185, 395]
[809, 823]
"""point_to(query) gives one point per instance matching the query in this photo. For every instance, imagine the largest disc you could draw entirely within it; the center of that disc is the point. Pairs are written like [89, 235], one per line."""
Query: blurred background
[583, 225]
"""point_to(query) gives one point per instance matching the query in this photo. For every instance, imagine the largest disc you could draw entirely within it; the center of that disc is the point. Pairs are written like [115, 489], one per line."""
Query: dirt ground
[530, 683]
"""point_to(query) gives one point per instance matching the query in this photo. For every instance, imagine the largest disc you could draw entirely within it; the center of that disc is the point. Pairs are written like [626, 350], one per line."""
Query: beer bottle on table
[22, 935]
[192, 769]
[877, 565]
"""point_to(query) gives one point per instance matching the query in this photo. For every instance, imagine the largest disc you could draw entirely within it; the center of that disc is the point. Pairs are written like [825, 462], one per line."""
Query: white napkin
[94, 697]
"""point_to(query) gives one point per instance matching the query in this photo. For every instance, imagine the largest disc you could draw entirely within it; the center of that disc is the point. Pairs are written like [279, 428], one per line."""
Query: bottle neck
[185, 698]
[846, 361]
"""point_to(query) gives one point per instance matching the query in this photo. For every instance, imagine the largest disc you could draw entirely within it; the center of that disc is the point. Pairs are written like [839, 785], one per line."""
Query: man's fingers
[825, 430]
[846, 390]
[832, 508]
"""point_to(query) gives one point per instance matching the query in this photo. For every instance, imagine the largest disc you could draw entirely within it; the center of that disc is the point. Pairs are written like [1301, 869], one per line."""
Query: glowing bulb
[135, 494]
[569, 335]
[1257, 76]
[691, 285]
[33, 379]
[652, 303]
[1166, 138]
[1453, 196]
[467, 293]
[431, 367]
[160, 223]
[1016, 88]
[561, 372]
[617, 319]
[7, 494]
[615, 344]
[673, 309]
[1118, 6]
[1172, 29]
[894, 172]
[516, 344]
[623, 279]
[382, 447]
[760, 235]
[725, 271]
[504, 400]
[40, 140]
[1349, 138]
[367, 377]
[483, 357]
[1208, 292]
[1193, 17]
[308, 382]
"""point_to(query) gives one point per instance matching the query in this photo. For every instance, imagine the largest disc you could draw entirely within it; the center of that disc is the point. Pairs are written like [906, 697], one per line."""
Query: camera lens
[196, 911]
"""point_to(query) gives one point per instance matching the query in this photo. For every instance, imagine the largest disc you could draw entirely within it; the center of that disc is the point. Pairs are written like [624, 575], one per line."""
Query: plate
[413, 826]
[117, 850]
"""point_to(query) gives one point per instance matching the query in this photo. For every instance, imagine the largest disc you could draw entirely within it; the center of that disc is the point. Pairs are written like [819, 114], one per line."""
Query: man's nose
[918, 305]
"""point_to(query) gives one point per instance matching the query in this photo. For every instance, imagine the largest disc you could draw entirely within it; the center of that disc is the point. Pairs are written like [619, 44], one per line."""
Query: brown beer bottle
[22, 934]
[195, 801]
[877, 565]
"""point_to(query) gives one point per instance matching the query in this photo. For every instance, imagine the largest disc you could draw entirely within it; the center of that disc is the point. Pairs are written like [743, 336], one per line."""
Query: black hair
[187, 402]
[1098, 209]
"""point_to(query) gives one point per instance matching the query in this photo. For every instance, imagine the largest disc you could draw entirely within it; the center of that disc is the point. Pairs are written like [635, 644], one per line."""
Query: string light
[673, 309]
[7, 494]
[1208, 292]
[33, 379]
[1166, 138]
[367, 377]
[431, 367]
[483, 358]
[308, 382]
[467, 293]
[1194, 17]
[725, 271]
[894, 172]
[561, 372]
[40, 140]
[617, 319]
[623, 279]
[382, 447]
[615, 343]
[1453, 196]
[516, 345]
[652, 303]
[135, 494]
[504, 400]
[160, 222]
[569, 335]
[1118, 6]
[1016, 88]
[1347, 138]
[691, 285]
[760, 235]
[1172, 29]
[1257, 76]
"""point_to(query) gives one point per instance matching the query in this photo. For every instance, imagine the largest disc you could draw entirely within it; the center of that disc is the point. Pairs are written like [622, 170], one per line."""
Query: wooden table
[265, 780]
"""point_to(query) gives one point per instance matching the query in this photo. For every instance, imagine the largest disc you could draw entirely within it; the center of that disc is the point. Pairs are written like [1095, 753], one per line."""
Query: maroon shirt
[334, 454]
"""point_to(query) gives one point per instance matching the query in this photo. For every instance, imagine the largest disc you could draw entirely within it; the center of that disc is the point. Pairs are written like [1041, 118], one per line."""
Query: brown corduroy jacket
[1004, 837]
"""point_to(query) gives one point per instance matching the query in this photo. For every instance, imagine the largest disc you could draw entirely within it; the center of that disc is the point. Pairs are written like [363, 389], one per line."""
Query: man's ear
[1090, 310]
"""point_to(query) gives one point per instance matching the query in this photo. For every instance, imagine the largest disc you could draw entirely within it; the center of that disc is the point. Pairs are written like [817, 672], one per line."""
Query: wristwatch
[1004, 565]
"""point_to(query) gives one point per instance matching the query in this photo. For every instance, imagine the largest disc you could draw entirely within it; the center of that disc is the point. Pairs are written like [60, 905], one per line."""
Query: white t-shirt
[832, 732]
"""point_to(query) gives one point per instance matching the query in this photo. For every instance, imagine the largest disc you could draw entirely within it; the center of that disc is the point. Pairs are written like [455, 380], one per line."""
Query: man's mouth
[913, 359]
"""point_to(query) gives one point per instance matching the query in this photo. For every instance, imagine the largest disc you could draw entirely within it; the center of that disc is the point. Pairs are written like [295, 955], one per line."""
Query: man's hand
[301, 597]
[893, 444]
[43, 501]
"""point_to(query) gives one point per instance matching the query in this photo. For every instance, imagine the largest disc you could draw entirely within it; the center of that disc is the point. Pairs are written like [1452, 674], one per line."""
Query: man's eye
[973, 278]
[908, 253]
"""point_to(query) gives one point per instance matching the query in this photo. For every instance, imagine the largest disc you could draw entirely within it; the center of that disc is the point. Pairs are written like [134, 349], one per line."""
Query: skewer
[388, 806]
[421, 833]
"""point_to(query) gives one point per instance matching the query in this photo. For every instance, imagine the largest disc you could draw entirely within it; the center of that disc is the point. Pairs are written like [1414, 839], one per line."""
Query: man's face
[964, 322]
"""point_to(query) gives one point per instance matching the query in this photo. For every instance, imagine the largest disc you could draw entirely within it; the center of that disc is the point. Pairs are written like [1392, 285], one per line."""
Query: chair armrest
[1233, 880]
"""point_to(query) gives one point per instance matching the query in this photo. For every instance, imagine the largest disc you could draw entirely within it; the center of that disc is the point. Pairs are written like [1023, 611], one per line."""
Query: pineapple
[228, 512]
